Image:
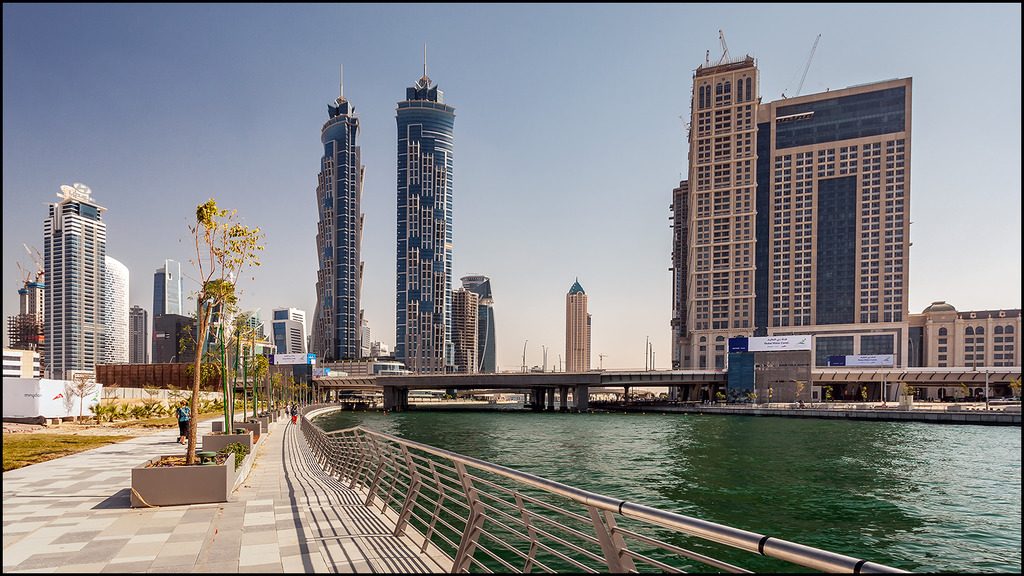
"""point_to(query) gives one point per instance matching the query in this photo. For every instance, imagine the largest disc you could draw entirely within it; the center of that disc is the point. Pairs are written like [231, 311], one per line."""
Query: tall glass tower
[339, 192]
[74, 251]
[167, 289]
[114, 303]
[481, 286]
[426, 135]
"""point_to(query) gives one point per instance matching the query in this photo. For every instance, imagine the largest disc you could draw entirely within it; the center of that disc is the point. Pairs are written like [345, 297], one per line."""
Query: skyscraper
[481, 286]
[426, 137]
[339, 191]
[74, 251]
[138, 335]
[167, 297]
[797, 219]
[289, 327]
[577, 330]
[465, 307]
[114, 341]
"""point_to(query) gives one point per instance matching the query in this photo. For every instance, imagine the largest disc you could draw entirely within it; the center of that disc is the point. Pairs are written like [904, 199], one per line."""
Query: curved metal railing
[489, 518]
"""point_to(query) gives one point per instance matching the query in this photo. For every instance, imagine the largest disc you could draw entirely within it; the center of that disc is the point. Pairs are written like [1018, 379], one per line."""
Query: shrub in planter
[239, 450]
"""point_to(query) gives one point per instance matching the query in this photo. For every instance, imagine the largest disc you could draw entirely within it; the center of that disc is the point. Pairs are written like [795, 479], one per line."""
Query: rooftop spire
[424, 81]
[341, 84]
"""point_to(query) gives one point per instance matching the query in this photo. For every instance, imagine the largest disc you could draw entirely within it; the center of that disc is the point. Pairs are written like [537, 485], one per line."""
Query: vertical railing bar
[470, 535]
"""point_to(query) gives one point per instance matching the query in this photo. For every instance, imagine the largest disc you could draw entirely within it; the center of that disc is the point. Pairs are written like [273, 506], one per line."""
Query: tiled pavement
[72, 514]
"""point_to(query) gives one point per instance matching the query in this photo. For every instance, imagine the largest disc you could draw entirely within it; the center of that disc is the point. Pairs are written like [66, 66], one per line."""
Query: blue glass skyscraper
[339, 234]
[426, 135]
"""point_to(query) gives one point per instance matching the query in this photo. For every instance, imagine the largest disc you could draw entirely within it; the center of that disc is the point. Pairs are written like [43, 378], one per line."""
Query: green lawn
[24, 449]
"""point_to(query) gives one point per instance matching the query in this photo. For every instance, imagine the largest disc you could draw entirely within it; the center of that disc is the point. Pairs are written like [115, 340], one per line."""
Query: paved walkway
[72, 514]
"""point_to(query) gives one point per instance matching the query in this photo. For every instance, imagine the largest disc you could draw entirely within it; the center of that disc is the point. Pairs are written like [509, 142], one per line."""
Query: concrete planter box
[254, 427]
[217, 442]
[264, 423]
[178, 485]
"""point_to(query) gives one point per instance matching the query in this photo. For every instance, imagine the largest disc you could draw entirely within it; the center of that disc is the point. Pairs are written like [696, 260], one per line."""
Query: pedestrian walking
[295, 413]
[184, 415]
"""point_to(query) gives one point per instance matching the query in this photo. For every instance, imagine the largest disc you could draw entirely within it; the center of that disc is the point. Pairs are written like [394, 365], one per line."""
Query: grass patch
[24, 449]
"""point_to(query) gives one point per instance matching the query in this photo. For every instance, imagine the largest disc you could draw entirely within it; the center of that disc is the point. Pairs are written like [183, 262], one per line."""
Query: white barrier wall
[34, 397]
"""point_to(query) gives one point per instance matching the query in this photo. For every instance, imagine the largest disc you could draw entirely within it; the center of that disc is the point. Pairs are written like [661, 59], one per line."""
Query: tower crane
[725, 48]
[38, 259]
[807, 67]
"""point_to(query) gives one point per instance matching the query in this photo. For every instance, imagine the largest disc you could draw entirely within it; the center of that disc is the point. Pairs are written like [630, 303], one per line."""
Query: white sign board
[280, 359]
[871, 360]
[34, 397]
[779, 343]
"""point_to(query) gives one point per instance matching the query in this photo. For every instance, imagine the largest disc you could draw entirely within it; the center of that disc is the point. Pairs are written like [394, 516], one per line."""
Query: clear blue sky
[568, 140]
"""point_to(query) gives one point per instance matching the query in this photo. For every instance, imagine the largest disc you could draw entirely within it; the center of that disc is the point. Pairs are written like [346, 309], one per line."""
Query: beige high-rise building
[797, 218]
[577, 330]
[465, 304]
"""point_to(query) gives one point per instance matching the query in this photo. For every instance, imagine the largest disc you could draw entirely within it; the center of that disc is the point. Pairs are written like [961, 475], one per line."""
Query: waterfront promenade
[72, 514]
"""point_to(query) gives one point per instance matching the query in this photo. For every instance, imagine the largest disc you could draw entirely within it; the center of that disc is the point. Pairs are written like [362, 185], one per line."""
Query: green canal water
[921, 497]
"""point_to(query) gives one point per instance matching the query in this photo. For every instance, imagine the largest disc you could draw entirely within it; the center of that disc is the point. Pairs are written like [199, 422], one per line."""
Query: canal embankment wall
[986, 417]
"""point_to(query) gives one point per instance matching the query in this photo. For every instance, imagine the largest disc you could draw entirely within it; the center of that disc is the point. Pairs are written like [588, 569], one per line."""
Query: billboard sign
[281, 359]
[738, 344]
[779, 343]
[34, 397]
[863, 360]
[321, 372]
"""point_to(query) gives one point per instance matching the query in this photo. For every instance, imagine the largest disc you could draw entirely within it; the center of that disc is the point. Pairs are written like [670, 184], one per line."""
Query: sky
[569, 138]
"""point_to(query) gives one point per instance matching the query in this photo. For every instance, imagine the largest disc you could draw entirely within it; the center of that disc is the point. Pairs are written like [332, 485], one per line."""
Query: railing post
[410, 495]
[441, 495]
[475, 522]
[532, 553]
[611, 544]
[363, 456]
[372, 491]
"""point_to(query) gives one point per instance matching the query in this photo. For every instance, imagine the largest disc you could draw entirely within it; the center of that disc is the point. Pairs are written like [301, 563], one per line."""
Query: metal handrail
[455, 503]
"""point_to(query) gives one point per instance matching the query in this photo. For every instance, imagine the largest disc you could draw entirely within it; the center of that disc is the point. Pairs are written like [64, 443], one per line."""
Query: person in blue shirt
[184, 415]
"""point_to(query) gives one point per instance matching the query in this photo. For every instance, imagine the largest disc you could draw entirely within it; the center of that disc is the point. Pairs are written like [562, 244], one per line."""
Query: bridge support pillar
[625, 394]
[538, 398]
[551, 399]
[582, 397]
[396, 399]
[563, 399]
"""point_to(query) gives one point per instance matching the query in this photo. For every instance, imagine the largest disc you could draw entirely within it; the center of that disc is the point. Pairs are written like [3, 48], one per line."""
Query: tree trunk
[190, 454]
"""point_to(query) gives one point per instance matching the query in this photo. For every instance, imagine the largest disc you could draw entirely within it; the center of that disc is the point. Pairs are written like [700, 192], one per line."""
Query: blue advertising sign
[738, 344]
[836, 361]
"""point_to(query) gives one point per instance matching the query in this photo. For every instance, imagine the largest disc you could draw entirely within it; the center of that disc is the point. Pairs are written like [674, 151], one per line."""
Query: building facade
[486, 347]
[174, 339]
[167, 295]
[577, 330]
[114, 342]
[940, 336]
[25, 330]
[336, 319]
[680, 237]
[22, 364]
[138, 335]
[797, 218]
[74, 252]
[465, 339]
[426, 137]
[289, 327]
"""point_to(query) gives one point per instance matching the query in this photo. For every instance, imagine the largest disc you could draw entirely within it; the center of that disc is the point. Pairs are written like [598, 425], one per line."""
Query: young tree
[1015, 387]
[224, 248]
[82, 384]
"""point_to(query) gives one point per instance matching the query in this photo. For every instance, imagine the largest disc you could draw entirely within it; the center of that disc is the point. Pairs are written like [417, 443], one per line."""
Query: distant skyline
[570, 140]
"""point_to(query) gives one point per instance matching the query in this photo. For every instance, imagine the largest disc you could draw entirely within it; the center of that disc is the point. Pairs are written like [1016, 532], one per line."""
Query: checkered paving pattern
[72, 514]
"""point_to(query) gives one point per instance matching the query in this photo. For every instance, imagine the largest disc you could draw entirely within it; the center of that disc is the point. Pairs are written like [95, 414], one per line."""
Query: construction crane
[807, 67]
[38, 259]
[725, 48]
